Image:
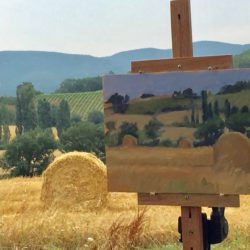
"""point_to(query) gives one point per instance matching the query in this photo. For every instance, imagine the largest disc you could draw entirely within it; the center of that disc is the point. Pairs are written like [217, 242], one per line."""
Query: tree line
[80, 85]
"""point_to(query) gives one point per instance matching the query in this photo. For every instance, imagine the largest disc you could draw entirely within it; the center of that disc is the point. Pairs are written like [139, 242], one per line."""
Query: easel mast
[191, 204]
[182, 46]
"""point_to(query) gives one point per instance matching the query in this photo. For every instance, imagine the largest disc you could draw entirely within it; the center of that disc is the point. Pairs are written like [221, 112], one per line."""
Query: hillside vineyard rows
[80, 103]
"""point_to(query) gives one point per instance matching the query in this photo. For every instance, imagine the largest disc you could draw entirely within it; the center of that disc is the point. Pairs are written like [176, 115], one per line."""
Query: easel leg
[192, 228]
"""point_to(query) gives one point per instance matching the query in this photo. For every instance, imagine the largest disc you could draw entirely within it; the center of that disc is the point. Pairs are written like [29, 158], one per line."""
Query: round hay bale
[129, 141]
[185, 143]
[232, 151]
[75, 180]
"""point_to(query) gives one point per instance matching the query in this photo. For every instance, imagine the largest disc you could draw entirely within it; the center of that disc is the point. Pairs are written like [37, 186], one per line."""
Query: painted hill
[46, 70]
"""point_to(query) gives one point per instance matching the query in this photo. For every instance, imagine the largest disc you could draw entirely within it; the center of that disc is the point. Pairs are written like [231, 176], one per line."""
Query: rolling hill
[46, 70]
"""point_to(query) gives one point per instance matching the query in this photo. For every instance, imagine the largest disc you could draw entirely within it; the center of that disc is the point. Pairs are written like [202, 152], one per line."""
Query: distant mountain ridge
[46, 70]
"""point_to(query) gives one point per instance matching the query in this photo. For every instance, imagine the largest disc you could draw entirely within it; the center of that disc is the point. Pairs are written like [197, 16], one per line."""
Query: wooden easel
[183, 60]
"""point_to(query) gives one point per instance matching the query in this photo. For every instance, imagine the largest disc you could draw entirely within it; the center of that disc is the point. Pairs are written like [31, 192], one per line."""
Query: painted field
[166, 119]
[173, 117]
[173, 133]
[80, 103]
[210, 170]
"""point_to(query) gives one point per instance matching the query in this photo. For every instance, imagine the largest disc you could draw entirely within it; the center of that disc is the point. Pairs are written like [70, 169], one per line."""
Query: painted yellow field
[26, 224]
[174, 133]
[141, 120]
[176, 116]
[210, 170]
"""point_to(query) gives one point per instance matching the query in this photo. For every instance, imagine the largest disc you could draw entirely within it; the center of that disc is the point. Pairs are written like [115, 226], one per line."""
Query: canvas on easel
[178, 132]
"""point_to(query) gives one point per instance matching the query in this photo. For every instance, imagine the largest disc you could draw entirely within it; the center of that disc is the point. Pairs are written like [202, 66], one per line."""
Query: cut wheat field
[26, 224]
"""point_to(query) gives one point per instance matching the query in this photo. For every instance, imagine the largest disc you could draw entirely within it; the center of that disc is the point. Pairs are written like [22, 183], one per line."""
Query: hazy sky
[104, 27]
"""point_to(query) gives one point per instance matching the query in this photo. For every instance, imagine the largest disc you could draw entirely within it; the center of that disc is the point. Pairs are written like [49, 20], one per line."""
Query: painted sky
[104, 27]
[135, 85]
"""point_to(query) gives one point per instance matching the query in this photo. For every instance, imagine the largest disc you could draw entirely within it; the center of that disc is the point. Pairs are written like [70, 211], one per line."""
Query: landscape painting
[178, 132]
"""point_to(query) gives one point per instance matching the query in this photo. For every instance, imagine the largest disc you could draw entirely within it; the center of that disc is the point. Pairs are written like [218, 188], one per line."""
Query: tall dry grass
[26, 224]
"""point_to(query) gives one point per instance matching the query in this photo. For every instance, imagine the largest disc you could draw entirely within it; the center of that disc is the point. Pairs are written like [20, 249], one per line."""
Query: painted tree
[25, 108]
[193, 115]
[63, 117]
[197, 118]
[227, 108]
[119, 103]
[239, 121]
[234, 110]
[152, 129]
[44, 114]
[216, 108]
[209, 132]
[210, 113]
[204, 106]
[244, 109]
[127, 128]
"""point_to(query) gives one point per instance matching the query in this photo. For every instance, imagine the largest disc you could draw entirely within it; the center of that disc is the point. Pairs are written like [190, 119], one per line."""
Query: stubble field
[26, 224]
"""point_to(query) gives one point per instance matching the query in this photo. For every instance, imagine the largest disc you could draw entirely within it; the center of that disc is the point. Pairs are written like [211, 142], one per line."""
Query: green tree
[7, 116]
[30, 153]
[54, 111]
[209, 132]
[44, 114]
[80, 85]
[25, 108]
[75, 119]
[86, 137]
[63, 117]
[96, 117]
[152, 129]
